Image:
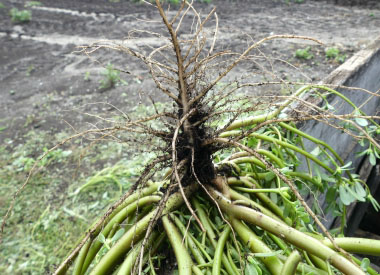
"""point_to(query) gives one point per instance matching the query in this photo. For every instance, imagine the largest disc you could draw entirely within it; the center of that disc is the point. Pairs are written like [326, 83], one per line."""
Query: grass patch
[63, 197]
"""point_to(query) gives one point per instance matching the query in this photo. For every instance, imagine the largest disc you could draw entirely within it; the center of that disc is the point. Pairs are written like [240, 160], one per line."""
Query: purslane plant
[233, 200]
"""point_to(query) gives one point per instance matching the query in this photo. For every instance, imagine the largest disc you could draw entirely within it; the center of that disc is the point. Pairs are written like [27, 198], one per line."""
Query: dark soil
[43, 81]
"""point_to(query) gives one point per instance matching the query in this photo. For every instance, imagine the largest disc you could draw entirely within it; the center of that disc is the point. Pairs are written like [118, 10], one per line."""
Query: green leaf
[316, 151]
[362, 153]
[365, 264]
[118, 234]
[101, 238]
[346, 165]
[372, 159]
[345, 196]
[269, 176]
[374, 203]
[354, 194]
[360, 190]
[361, 121]
[250, 270]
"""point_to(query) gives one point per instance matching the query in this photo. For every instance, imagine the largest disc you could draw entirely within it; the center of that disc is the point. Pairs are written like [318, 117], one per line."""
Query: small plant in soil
[111, 77]
[20, 16]
[29, 4]
[334, 53]
[225, 192]
[304, 53]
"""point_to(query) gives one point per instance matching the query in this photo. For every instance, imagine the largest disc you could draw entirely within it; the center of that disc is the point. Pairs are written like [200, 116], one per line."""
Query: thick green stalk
[287, 233]
[356, 245]
[318, 262]
[219, 251]
[302, 267]
[286, 145]
[81, 257]
[291, 263]
[96, 227]
[130, 260]
[262, 197]
[237, 196]
[257, 246]
[117, 219]
[261, 118]
[115, 254]
[193, 247]
[252, 160]
[183, 258]
[211, 235]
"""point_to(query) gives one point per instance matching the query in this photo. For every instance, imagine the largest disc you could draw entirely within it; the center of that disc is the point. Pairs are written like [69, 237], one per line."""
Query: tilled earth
[43, 80]
[45, 85]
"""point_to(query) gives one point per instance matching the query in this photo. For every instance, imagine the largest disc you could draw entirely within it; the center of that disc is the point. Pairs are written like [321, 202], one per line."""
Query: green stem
[183, 258]
[115, 254]
[345, 99]
[193, 247]
[287, 233]
[263, 190]
[294, 148]
[370, 270]
[261, 118]
[108, 262]
[117, 219]
[356, 245]
[302, 268]
[257, 246]
[318, 262]
[312, 139]
[291, 263]
[237, 196]
[81, 257]
[219, 251]
[130, 260]
[211, 235]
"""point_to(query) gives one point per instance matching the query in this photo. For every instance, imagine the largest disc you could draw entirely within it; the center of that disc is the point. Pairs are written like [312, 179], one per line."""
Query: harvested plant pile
[232, 199]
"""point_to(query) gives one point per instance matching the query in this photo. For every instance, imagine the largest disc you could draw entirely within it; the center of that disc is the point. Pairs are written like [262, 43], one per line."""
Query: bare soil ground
[42, 80]
[46, 87]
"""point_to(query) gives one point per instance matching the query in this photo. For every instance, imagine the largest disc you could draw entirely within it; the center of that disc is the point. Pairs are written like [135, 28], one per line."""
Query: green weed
[32, 4]
[20, 16]
[30, 70]
[87, 76]
[304, 53]
[2, 6]
[334, 53]
[111, 78]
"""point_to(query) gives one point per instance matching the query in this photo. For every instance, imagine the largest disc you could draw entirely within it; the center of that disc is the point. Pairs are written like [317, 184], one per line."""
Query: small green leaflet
[365, 264]
[118, 234]
[345, 196]
[372, 159]
[361, 121]
[250, 270]
[360, 190]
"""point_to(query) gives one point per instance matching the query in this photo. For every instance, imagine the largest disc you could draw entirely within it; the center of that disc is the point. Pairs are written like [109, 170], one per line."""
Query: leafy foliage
[20, 16]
